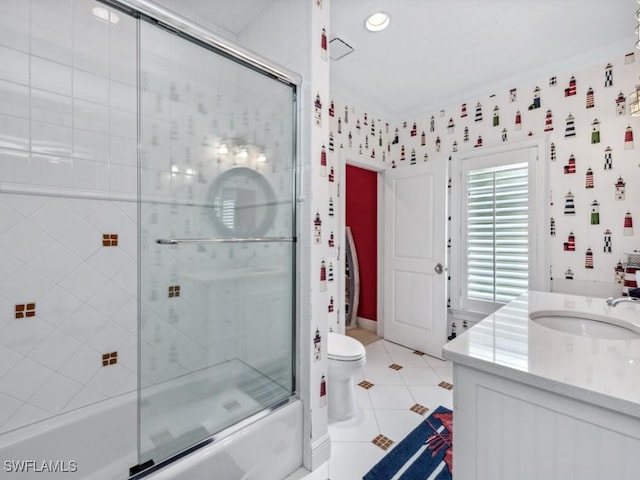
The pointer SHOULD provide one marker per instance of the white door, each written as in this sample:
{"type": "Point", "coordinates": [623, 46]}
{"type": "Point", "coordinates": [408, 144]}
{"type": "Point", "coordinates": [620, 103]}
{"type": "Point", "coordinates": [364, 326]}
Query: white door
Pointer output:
{"type": "Point", "coordinates": [415, 230]}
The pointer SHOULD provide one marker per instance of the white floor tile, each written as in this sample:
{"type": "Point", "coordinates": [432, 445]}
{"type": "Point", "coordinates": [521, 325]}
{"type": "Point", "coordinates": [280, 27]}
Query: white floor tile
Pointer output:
{"type": "Point", "coordinates": [351, 460]}
{"type": "Point", "coordinates": [445, 373]}
{"type": "Point", "coordinates": [391, 397]}
{"type": "Point", "coordinates": [383, 409]}
{"type": "Point", "coordinates": [420, 376]}
{"type": "Point", "coordinates": [432, 397]}
{"type": "Point", "coordinates": [363, 427]}
{"type": "Point", "coordinates": [397, 424]}
{"type": "Point", "coordinates": [382, 375]}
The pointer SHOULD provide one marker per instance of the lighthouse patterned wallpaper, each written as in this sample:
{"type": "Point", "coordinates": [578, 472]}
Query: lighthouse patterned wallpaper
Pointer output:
{"type": "Point", "coordinates": [593, 158]}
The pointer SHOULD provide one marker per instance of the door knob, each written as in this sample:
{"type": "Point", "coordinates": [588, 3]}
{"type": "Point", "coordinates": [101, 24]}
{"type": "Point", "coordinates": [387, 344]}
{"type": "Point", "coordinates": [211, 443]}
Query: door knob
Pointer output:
{"type": "Point", "coordinates": [438, 268]}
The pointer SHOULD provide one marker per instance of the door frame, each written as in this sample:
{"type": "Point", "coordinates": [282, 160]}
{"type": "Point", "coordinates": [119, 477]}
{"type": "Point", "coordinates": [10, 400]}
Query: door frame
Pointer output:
{"type": "Point", "coordinates": [348, 156]}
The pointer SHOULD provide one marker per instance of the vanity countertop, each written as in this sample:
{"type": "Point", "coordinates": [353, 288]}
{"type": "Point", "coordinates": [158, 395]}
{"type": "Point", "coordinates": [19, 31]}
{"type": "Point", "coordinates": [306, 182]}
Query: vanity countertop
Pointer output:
{"type": "Point", "coordinates": [507, 343]}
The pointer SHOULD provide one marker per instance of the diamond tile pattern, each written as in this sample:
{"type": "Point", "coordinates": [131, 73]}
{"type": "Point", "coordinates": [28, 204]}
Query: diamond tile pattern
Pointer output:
{"type": "Point", "coordinates": [68, 305]}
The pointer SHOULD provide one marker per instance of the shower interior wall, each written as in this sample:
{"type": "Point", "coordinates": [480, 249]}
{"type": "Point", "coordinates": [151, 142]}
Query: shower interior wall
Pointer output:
{"type": "Point", "coordinates": [68, 238]}
{"type": "Point", "coordinates": [68, 234]}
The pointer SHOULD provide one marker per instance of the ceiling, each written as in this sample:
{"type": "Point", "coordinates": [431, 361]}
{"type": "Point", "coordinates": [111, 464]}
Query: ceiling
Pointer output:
{"type": "Point", "coordinates": [439, 52]}
{"type": "Point", "coordinates": [436, 53]}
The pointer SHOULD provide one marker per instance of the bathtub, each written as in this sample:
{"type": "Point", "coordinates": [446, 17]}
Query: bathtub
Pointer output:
{"type": "Point", "coordinates": [99, 442]}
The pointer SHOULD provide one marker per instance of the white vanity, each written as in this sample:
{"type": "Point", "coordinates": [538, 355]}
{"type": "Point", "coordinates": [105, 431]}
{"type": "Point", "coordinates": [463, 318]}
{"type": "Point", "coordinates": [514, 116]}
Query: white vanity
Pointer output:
{"type": "Point", "coordinates": [533, 401]}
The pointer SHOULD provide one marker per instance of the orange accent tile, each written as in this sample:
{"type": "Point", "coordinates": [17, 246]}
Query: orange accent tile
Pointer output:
{"type": "Point", "coordinates": [366, 385]}
{"type": "Point", "coordinates": [25, 310]}
{"type": "Point", "coordinates": [109, 358]}
{"type": "Point", "coordinates": [419, 409]}
{"type": "Point", "coordinates": [395, 366]}
{"type": "Point", "coordinates": [446, 385]}
{"type": "Point", "coordinates": [109, 239]}
{"type": "Point", "coordinates": [383, 442]}
{"type": "Point", "coordinates": [417, 352]}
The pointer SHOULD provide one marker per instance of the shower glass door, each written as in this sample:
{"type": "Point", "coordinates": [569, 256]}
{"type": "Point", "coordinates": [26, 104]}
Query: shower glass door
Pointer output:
{"type": "Point", "coordinates": [217, 247]}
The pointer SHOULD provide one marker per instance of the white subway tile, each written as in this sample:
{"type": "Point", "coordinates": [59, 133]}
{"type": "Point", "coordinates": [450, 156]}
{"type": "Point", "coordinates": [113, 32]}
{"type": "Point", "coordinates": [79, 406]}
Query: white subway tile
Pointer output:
{"type": "Point", "coordinates": [51, 171]}
{"type": "Point", "coordinates": [90, 175]}
{"type": "Point", "coordinates": [14, 99]}
{"type": "Point", "coordinates": [52, 139]}
{"type": "Point", "coordinates": [51, 76]}
{"type": "Point", "coordinates": [91, 146]}
{"type": "Point", "coordinates": [15, 65]}
{"type": "Point", "coordinates": [123, 96]}
{"type": "Point", "coordinates": [90, 87]}
{"type": "Point", "coordinates": [19, 8]}
{"type": "Point", "coordinates": [50, 107]}
{"type": "Point", "coordinates": [90, 116]}
{"type": "Point", "coordinates": [52, 45]}
{"type": "Point", "coordinates": [124, 152]}
{"type": "Point", "coordinates": [123, 179]}
{"type": "Point", "coordinates": [89, 29]}
{"type": "Point", "coordinates": [14, 132]}
{"type": "Point", "coordinates": [54, 14]}
{"type": "Point", "coordinates": [15, 166]}
{"type": "Point", "coordinates": [123, 69]}
{"type": "Point", "coordinates": [14, 32]}
{"type": "Point", "coordinates": [123, 124]}
{"type": "Point", "coordinates": [91, 58]}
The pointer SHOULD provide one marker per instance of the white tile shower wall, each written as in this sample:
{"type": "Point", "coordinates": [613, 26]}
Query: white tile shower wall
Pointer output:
{"type": "Point", "coordinates": [67, 169]}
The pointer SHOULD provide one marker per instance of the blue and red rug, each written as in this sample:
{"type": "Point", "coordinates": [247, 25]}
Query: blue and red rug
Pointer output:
{"type": "Point", "coordinates": [425, 454]}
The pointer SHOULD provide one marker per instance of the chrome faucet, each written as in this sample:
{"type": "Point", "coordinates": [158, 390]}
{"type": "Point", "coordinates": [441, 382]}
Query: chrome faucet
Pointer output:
{"type": "Point", "coordinates": [612, 302]}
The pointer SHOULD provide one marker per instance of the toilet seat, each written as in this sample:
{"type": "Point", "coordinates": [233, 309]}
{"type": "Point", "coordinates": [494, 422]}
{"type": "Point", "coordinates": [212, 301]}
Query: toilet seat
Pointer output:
{"type": "Point", "coordinates": [344, 348]}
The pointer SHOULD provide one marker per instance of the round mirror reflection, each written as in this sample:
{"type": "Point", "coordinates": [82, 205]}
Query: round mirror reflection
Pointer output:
{"type": "Point", "coordinates": [243, 203]}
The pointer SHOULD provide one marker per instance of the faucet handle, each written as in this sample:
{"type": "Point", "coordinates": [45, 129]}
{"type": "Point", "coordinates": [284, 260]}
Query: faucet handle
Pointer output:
{"type": "Point", "coordinates": [609, 301]}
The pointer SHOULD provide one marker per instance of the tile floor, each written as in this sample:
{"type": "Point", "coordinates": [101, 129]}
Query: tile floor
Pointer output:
{"type": "Point", "coordinates": [385, 409]}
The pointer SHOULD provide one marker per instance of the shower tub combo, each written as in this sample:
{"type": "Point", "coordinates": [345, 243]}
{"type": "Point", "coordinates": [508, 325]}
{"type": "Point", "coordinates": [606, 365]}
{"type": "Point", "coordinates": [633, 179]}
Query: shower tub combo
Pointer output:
{"type": "Point", "coordinates": [216, 260]}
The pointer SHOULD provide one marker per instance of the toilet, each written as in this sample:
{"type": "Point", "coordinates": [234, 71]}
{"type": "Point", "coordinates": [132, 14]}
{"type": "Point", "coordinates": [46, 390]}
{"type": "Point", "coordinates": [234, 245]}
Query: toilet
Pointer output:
{"type": "Point", "coordinates": [345, 355]}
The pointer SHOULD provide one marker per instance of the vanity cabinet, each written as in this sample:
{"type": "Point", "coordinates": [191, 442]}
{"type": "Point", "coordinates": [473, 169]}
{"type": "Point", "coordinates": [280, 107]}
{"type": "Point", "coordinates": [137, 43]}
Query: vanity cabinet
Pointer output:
{"type": "Point", "coordinates": [535, 402]}
{"type": "Point", "coordinates": [507, 430]}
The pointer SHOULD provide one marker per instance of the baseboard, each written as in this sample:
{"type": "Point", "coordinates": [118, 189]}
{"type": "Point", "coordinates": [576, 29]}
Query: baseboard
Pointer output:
{"type": "Point", "coordinates": [367, 324]}
{"type": "Point", "coordinates": [320, 452]}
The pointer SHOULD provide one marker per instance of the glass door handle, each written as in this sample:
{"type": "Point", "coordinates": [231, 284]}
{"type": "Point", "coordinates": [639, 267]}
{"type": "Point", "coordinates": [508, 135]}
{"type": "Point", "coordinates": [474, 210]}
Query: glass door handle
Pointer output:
{"type": "Point", "coordinates": [179, 241]}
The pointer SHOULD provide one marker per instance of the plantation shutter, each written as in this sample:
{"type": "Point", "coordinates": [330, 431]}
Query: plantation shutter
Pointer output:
{"type": "Point", "coordinates": [497, 210]}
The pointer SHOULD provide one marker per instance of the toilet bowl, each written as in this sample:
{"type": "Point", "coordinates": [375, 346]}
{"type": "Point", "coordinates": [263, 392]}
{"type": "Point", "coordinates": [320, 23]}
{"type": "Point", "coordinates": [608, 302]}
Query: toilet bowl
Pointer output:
{"type": "Point", "coordinates": [345, 356]}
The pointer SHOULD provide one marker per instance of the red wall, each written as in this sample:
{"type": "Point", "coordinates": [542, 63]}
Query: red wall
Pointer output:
{"type": "Point", "coordinates": [362, 215]}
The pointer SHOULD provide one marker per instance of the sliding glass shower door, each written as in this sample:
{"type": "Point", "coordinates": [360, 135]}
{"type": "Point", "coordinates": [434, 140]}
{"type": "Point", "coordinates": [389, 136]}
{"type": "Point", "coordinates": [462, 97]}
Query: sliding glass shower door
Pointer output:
{"type": "Point", "coordinates": [217, 248]}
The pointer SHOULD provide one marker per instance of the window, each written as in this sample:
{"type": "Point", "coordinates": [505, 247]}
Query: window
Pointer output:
{"type": "Point", "coordinates": [499, 216]}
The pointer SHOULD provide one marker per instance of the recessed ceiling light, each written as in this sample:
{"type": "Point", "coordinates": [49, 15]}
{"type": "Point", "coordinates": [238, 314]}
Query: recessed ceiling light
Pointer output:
{"type": "Point", "coordinates": [377, 21]}
{"type": "Point", "coordinates": [105, 15]}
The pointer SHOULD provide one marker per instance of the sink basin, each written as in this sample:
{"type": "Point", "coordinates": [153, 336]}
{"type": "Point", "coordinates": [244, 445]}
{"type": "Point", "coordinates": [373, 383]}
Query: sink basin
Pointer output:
{"type": "Point", "coordinates": [586, 325]}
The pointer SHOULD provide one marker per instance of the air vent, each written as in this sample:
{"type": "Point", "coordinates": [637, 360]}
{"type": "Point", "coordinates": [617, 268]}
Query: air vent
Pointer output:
{"type": "Point", "coordinates": [338, 48]}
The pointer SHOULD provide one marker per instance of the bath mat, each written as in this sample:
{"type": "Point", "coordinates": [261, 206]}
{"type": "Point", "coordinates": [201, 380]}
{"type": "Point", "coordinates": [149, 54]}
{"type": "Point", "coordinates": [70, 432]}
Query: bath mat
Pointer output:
{"type": "Point", "coordinates": [365, 337]}
{"type": "Point", "coordinates": [425, 454]}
